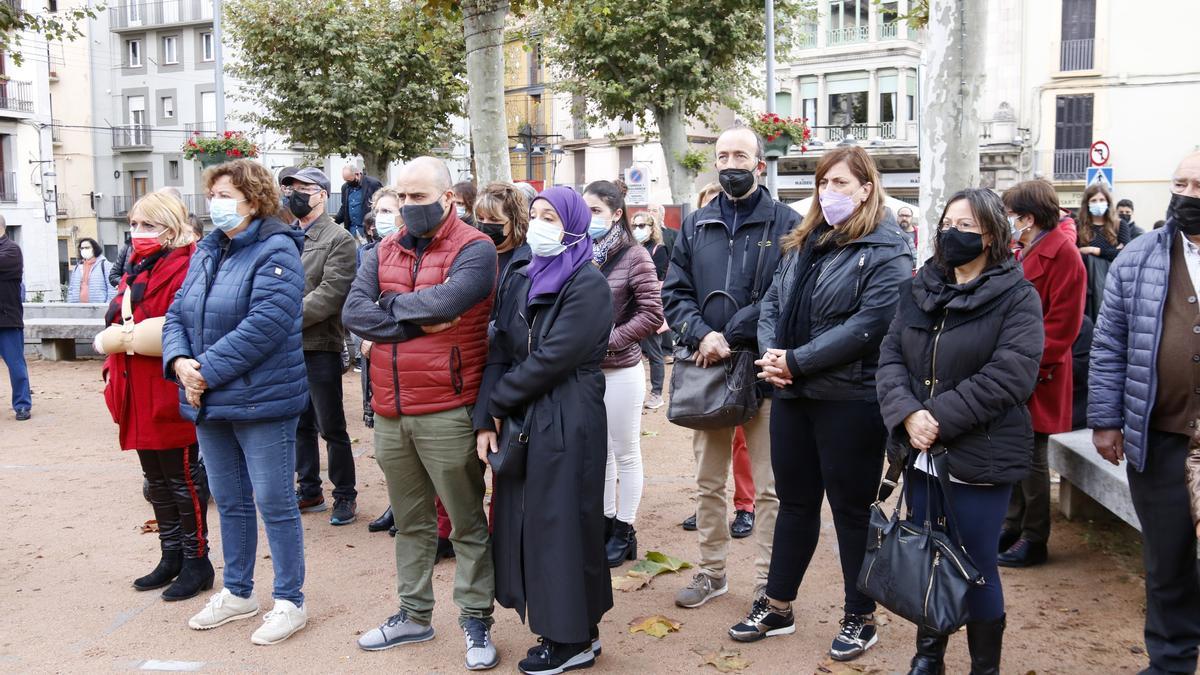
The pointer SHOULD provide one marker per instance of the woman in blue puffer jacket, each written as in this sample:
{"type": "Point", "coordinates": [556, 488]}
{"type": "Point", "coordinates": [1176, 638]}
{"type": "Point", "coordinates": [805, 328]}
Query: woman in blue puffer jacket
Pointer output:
{"type": "Point", "coordinates": [232, 342]}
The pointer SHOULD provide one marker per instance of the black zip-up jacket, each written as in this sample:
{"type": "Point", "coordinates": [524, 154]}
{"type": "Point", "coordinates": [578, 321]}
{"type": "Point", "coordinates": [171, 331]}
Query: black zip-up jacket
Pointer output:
{"type": "Point", "coordinates": [712, 256]}
{"type": "Point", "coordinates": [12, 267]}
{"type": "Point", "coordinates": [853, 303]}
{"type": "Point", "coordinates": [970, 356]}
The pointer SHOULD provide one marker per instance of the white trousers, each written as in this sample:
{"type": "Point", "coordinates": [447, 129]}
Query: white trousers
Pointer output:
{"type": "Point", "coordinates": [625, 388]}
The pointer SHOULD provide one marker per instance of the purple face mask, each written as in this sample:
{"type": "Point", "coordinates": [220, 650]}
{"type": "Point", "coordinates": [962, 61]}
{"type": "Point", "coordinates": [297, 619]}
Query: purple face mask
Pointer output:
{"type": "Point", "coordinates": [836, 207]}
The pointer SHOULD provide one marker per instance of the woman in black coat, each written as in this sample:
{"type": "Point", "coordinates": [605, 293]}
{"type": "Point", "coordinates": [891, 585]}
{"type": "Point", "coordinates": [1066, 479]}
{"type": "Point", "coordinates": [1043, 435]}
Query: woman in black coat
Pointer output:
{"type": "Point", "coordinates": [955, 371]}
{"type": "Point", "coordinates": [552, 322]}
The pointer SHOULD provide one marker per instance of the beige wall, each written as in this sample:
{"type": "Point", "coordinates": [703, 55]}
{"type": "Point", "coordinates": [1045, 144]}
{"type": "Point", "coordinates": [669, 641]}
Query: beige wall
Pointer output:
{"type": "Point", "coordinates": [71, 100]}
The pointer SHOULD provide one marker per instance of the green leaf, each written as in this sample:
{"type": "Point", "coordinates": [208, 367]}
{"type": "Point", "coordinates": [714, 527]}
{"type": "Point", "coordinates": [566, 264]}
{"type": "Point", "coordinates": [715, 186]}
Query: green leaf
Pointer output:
{"type": "Point", "coordinates": [657, 563]}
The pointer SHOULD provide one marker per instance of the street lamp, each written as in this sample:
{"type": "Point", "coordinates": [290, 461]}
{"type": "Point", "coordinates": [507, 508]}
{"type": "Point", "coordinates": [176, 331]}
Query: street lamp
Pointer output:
{"type": "Point", "coordinates": [533, 146]}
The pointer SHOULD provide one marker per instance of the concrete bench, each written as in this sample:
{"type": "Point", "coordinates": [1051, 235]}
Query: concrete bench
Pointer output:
{"type": "Point", "coordinates": [57, 327]}
{"type": "Point", "coordinates": [1089, 486]}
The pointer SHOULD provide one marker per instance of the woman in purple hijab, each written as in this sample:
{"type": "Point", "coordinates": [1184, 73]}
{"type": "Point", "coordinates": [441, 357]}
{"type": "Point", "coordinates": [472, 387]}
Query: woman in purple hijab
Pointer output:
{"type": "Point", "coordinates": [540, 421]}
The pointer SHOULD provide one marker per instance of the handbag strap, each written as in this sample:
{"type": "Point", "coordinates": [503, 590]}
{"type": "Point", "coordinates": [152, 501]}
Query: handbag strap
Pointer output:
{"type": "Point", "coordinates": [127, 305]}
{"type": "Point", "coordinates": [941, 466]}
{"type": "Point", "coordinates": [763, 244]}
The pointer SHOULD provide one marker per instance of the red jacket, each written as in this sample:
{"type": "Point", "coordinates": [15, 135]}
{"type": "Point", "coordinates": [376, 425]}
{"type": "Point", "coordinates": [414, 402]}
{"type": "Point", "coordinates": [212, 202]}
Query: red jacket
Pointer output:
{"type": "Point", "coordinates": [435, 372]}
{"type": "Point", "coordinates": [144, 405]}
{"type": "Point", "coordinates": [1055, 269]}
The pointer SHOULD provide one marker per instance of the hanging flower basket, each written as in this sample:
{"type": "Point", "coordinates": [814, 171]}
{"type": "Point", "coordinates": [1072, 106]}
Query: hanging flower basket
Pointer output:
{"type": "Point", "coordinates": [780, 133]}
{"type": "Point", "coordinates": [213, 150]}
{"type": "Point", "coordinates": [779, 147]}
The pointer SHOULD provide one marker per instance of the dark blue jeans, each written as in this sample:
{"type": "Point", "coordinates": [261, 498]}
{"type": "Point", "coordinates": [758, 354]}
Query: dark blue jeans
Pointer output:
{"type": "Point", "coordinates": [978, 514]}
{"type": "Point", "coordinates": [12, 350]}
{"type": "Point", "coordinates": [252, 463]}
{"type": "Point", "coordinates": [325, 416]}
{"type": "Point", "coordinates": [653, 349]}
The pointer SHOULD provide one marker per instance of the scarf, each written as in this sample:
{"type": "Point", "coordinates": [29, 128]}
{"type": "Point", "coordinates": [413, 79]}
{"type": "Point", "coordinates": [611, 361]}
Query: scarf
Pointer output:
{"type": "Point", "coordinates": [137, 278]}
{"type": "Point", "coordinates": [795, 320]}
{"type": "Point", "coordinates": [609, 243]}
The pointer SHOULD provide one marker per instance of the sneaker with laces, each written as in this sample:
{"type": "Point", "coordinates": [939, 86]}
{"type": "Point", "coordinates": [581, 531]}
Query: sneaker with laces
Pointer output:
{"type": "Point", "coordinates": [653, 402]}
{"type": "Point", "coordinates": [550, 658]}
{"type": "Point", "coordinates": [763, 621]}
{"type": "Point", "coordinates": [481, 653]}
{"type": "Point", "coordinates": [397, 630]}
{"type": "Point", "coordinates": [222, 608]}
{"type": "Point", "coordinates": [311, 504]}
{"type": "Point", "coordinates": [594, 633]}
{"type": "Point", "coordinates": [858, 634]}
{"type": "Point", "coordinates": [702, 589]}
{"type": "Point", "coordinates": [280, 623]}
{"type": "Point", "coordinates": [344, 512]}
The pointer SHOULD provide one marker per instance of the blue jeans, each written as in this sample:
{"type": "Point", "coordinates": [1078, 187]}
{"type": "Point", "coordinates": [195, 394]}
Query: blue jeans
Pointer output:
{"type": "Point", "coordinates": [252, 463]}
{"type": "Point", "coordinates": [12, 351]}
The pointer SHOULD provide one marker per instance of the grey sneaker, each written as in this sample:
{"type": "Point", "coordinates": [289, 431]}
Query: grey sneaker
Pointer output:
{"type": "Point", "coordinates": [702, 589]}
{"type": "Point", "coordinates": [397, 630]}
{"type": "Point", "coordinates": [481, 653]}
{"type": "Point", "coordinates": [653, 402]}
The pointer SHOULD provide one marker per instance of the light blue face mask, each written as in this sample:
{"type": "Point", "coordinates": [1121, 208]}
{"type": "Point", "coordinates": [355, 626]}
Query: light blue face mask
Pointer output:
{"type": "Point", "coordinates": [1098, 209]}
{"type": "Point", "coordinates": [599, 227]}
{"type": "Point", "coordinates": [385, 224]}
{"type": "Point", "coordinates": [223, 211]}
{"type": "Point", "coordinates": [544, 239]}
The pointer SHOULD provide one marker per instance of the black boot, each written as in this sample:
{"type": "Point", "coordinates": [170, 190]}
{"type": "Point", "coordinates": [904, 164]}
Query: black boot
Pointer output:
{"type": "Point", "coordinates": [168, 568]}
{"type": "Point", "coordinates": [608, 528]}
{"type": "Point", "coordinates": [383, 522]}
{"type": "Point", "coordinates": [984, 639]}
{"type": "Point", "coordinates": [622, 545]}
{"type": "Point", "coordinates": [197, 575]}
{"type": "Point", "coordinates": [931, 653]}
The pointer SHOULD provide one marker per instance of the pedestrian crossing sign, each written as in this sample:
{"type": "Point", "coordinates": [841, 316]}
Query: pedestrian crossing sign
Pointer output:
{"type": "Point", "coordinates": [1100, 174]}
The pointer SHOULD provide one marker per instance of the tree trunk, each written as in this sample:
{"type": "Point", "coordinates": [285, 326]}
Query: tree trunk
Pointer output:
{"type": "Point", "coordinates": [483, 29]}
{"type": "Point", "coordinates": [950, 107]}
{"type": "Point", "coordinates": [672, 135]}
{"type": "Point", "coordinates": [375, 165]}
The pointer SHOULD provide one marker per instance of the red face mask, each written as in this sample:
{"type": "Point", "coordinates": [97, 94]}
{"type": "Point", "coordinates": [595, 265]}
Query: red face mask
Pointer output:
{"type": "Point", "coordinates": [144, 245]}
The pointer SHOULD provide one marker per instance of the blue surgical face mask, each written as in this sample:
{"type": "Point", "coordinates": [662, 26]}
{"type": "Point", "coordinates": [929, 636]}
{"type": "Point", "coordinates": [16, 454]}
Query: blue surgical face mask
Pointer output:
{"type": "Point", "coordinates": [544, 239]}
{"type": "Point", "coordinates": [599, 227]}
{"type": "Point", "coordinates": [223, 211]}
{"type": "Point", "coordinates": [385, 224]}
{"type": "Point", "coordinates": [1098, 209]}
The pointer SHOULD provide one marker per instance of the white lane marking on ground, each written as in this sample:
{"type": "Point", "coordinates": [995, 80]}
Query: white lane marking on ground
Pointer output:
{"type": "Point", "coordinates": [175, 666]}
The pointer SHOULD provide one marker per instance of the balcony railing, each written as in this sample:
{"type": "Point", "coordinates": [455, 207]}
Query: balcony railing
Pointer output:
{"type": "Point", "coordinates": [807, 39]}
{"type": "Point", "coordinates": [135, 137]}
{"type": "Point", "coordinates": [202, 127]}
{"type": "Point", "coordinates": [197, 205]}
{"type": "Point", "coordinates": [889, 30]}
{"type": "Point", "coordinates": [1071, 164]}
{"type": "Point", "coordinates": [858, 131]}
{"type": "Point", "coordinates": [122, 204]}
{"type": "Point", "coordinates": [8, 186]}
{"type": "Point", "coordinates": [848, 35]}
{"type": "Point", "coordinates": [16, 96]}
{"type": "Point", "coordinates": [887, 130]}
{"type": "Point", "coordinates": [1076, 54]}
{"type": "Point", "coordinates": [148, 14]}
{"type": "Point", "coordinates": [56, 131]}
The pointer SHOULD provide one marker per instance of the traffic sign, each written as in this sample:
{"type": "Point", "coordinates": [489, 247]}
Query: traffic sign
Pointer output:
{"type": "Point", "coordinates": [638, 183]}
{"type": "Point", "coordinates": [1100, 174]}
{"type": "Point", "coordinates": [1100, 153]}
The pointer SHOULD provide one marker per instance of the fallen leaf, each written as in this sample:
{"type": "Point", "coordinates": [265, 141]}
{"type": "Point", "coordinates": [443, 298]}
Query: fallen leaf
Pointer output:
{"type": "Point", "coordinates": [724, 660]}
{"type": "Point", "coordinates": [657, 563]}
{"type": "Point", "coordinates": [630, 581]}
{"type": "Point", "coordinates": [149, 526]}
{"type": "Point", "coordinates": [655, 626]}
{"type": "Point", "coordinates": [650, 434]}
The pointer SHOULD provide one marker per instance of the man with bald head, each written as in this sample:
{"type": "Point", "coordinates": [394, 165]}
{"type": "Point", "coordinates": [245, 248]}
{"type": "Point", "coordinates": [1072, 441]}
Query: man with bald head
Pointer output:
{"type": "Point", "coordinates": [1144, 405]}
{"type": "Point", "coordinates": [423, 297]}
{"type": "Point", "coordinates": [722, 263]}
{"type": "Point", "coordinates": [12, 322]}
{"type": "Point", "coordinates": [357, 191]}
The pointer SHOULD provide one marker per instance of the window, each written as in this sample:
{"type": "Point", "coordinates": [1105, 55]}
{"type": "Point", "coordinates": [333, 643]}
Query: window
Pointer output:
{"type": "Point", "coordinates": [808, 110]}
{"type": "Point", "coordinates": [847, 21]}
{"type": "Point", "coordinates": [848, 101]}
{"type": "Point", "coordinates": [170, 50]}
{"type": "Point", "coordinates": [173, 169]}
{"type": "Point", "coordinates": [207, 47]}
{"type": "Point", "coordinates": [208, 107]}
{"type": "Point", "coordinates": [52, 6]}
{"type": "Point", "coordinates": [1072, 136]}
{"type": "Point", "coordinates": [133, 53]}
{"type": "Point", "coordinates": [168, 107]}
{"type": "Point", "coordinates": [1078, 34]}
{"type": "Point", "coordinates": [137, 110]}
{"type": "Point", "coordinates": [139, 185]}
{"type": "Point", "coordinates": [133, 14]}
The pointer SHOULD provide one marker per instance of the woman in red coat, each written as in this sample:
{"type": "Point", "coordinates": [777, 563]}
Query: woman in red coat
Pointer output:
{"type": "Point", "coordinates": [1052, 263]}
{"type": "Point", "coordinates": [145, 406]}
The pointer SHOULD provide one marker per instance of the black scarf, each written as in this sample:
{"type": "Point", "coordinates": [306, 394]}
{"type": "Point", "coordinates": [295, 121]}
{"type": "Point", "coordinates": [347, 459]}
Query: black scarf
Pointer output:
{"type": "Point", "coordinates": [795, 327]}
{"type": "Point", "coordinates": [134, 286]}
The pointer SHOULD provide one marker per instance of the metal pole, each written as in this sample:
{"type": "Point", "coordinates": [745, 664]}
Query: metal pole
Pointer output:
{"type": "Point", "coordinates": [772, 164]}
{"type": "Point", "coordinates": [219, 66]}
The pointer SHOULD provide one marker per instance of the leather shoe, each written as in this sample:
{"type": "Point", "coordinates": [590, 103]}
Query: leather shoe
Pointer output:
{"type": "Point", "coordinates": [742, 525]}
{"type": "Point", "coordinates": [689, 523]}
{"type": "Point", "coordinates": [23, 414]}
{"type": "Point", "coordinates": [1008, 538]}
{"type": "Point", "coordinates": [383, 522]}
{"type": "Point", "coordinates": [1024, 553]}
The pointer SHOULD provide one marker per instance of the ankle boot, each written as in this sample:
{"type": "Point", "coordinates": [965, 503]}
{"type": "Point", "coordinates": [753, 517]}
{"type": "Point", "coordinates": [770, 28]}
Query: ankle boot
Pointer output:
{"type": "Point", "coordinates": [167, 569]}
{"type": "Point", "coordinates": [608, 528]}
{"type": "Point", "coordinates": [984, 639]}
{"type": "Point", "coordinates": [197, 575]}
{"type": "Point", "coordinates": [622, 545]}
{"type": "Point", "coordinates": [931, 652]}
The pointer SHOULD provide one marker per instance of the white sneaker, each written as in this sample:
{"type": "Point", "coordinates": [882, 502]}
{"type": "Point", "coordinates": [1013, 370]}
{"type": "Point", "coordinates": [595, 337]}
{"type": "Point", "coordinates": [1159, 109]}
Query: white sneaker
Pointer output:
{"type": "Point", "coordinates": [222, 608]}
{"type": "Point", "coordinates": [279, 623]}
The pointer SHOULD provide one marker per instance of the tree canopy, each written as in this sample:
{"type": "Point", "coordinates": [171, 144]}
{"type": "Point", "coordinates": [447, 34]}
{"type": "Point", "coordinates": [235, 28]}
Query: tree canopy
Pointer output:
{"type": "Point", "coordinates": [62, 25]}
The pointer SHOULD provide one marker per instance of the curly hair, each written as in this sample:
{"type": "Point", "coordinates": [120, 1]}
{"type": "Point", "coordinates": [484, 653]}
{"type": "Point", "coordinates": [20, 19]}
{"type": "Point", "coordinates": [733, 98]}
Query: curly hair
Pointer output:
{"type": "Point", "coordinates": [251, 179]}
{"type": "Point", "coordinates": [504, 202]}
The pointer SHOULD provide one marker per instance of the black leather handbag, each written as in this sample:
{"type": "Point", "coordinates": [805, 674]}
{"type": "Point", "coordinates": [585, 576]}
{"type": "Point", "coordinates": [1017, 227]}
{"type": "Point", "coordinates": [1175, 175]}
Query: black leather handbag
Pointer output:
{"type": "Point", "coordinates": [916, 570]}
{"type": "Point", "coordinates": [512, 448]}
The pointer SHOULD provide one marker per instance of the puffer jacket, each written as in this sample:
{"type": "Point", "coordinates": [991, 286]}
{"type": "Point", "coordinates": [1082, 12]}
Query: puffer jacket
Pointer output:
{"type": "Point", "coordinates": [637, 304]}
{"type": "Point", "coordinates": [853, 302]}
{"type": "Point", "coordinates": [238, 314]}
{"type": "Point", "coordinates": [1123, 372]}
{"type": "Point", "coordinates": [970, 356]}
{"type": "Point", "coordinates": [99, 290]}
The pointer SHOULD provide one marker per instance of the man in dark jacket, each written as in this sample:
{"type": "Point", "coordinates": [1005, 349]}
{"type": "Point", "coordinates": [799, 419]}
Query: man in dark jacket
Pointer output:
{"type": "Point", "coordinates": [12, 322]}
{"type": "Point", "coordinates": [722, 264]}
{"type": "Point", "coordinates": [357, 190]}
{"type": "Point", "coordinates": [329, 260]}
{"type": "Point", "coordinates": [1125, 213]}
{"type": "Point", "coordinates": [1143, 403]}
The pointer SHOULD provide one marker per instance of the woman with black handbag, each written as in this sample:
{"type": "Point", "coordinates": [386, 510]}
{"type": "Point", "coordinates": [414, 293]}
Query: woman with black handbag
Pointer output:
{"type": "Point", "coordinates": [820, 325]}
{"type": "Point", "coordinates": [956, 369]}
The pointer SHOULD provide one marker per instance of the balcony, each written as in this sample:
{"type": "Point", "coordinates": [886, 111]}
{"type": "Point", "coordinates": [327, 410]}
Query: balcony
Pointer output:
{"type": "Point", "coordinates": [204, 128]}
{"type": "Point", "coordinates": [134, 138]}
{"type": "Point", "coordinates": [8, 186]}
{"type": "Point", "coordinates": [56, 131]}
{"type": "Point", "coordinates": [197, 205]}
{"type": "Point", "coordinates": [122, 204]}
{"type": "Point", "coordinates": [889, 30]}
{"type": "Point", "coordinates": [16, 96]}
{"type": "Point", "coordinates": [848, 35]}
{"type": "Point", "coordinates": [142, 15]}
{"type": "Point", "coordinates": [1071, 164]}
{"type": "Point", "coordinates": [887, 131]}
{"type": "Point", "coordinates": [806, 39]}
{"type": "Point", "coordinates": [1076, 55]}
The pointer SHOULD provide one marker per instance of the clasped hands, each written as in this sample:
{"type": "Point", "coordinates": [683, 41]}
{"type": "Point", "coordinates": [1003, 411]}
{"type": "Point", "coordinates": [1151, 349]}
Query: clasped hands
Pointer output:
{"type": "Point", "coordinates": [187, 371]}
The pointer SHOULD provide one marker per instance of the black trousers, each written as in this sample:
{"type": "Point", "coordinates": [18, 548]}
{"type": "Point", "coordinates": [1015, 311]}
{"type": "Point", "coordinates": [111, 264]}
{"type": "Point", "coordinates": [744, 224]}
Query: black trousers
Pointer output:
{"type": "Point", "coordinates": [819, 448]}
{"type": "Point", "coordinates": [1029, 506]}
{"type": "Point", "coordinates": [1160, 498]}
{"type": "Point", "coordinates": [326, 416]}
{"type": "Point", "coordinates": [179, 497]}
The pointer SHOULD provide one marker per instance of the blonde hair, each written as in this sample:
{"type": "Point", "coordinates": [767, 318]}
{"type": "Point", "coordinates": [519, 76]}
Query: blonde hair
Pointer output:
{"type": "Point", "coordinates": [167, 212]}
{"type": "Point", "coordinates": [706, 194]}
{"type": "Point", "coordinates": [385, 192]}
{"type": "Point", "coordinates": [865, 218]}
{"type": "Point", "coordinates": [655, 224]}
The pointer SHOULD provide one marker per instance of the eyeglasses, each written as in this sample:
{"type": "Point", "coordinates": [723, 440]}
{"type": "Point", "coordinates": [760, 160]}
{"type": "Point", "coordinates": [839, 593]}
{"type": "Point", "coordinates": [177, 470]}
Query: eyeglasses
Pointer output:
{"type": "Point", "coordinates": [961, 227]}
{"type": "Point", "coordinates": [288, 189]}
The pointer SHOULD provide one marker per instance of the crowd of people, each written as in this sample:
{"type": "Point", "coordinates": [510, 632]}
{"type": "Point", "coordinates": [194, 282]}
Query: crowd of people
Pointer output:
{"type": "Point", "coordinates": [498, 327]}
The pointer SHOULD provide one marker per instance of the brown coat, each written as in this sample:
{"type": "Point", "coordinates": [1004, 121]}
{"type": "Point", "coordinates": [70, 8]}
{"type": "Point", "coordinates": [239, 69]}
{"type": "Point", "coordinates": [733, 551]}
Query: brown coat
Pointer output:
{"type": "Point", "coordinates": [637, 304]}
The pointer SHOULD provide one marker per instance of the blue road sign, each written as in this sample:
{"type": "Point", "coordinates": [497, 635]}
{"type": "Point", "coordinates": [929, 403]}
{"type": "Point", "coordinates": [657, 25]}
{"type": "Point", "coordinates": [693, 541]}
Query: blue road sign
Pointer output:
{"type": "Point", "coordinates": [1100, 174]}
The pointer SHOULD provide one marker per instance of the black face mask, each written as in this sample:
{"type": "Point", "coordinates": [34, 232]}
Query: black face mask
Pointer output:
{"type": "Point", "coordinates": [493, 230]}
{"type": "Point", "coordinates": [298, 204]}
{"type": "Point", "coordinates": [737, 183]}
{"type": "Point", "coordinates": [422, 219]}
{"type": "Point", "coordinates": [1186, 212]}
{"type": "Point", "coordinates": [959, 248]}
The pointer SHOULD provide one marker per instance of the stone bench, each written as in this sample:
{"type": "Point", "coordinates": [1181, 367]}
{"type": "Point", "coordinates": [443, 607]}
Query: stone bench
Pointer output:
{"type": "Point", "coordinates": [57, 327]}
{"type": "Point", "coordinates": [1089, 486]}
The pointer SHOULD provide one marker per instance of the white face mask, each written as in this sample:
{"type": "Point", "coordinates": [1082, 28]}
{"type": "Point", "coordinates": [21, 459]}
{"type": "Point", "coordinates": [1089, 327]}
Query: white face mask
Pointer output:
{"type": "Point", "coordinates": [641, 233]}
{"type": "Point", "coordinates": [544, 239]}
{"type": "Point", "coordinates": [86, 253]}
{"type": "Point", "coordinates": [385, 224]}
